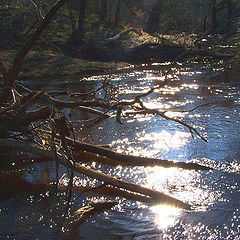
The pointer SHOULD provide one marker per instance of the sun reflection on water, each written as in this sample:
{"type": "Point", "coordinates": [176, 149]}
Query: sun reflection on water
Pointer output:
{"type": "Point", "coordinates": [181, 184]}
{"type": "Point", "coordinates": [165, 216]}
{"type": "Point", "coordinates": [165, 140]}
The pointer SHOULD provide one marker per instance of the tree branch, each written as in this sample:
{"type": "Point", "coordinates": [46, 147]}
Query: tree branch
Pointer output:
{"type": "Point", "coordinates": [14, 71]}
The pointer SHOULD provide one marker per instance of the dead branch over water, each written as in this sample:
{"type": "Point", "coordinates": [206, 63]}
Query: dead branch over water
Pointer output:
{"type": "Point", "coordinates": [19, 117]}
{"type": "Point", "coordinates": [32, 121]}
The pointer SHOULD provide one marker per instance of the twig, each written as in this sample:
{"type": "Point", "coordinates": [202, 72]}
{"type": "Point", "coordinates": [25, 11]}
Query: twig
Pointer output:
{"type": "Point", "coordinates": [29, 102]}
{"type": "Point", "coordinates": [27, 99]}
{"type": "Point", "coordinates": [163, 114]}
{"type": "Point", "coordinates": [188, 111]}
{"type": "Point", "coordinates": [22, 86]}
{"type": "Point", "coordinates": [90, 93]}
{"type": "Point", "coordinates": [191, 129]}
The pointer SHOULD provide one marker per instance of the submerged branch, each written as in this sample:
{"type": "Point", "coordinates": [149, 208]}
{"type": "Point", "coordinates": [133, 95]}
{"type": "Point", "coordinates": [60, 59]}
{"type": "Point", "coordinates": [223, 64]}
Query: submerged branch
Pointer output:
{"type": "Point", "coordinates": [141, 109]}
{"type": "Point", "coordinates": [84, 213]}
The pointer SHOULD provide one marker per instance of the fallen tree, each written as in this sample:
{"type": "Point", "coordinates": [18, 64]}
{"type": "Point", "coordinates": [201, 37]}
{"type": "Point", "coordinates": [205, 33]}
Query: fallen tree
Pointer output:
{"type": "Point", "coordinates": [14, 71]}
{"type": "Point", "coordinates": [154, 49]}
{"type": "Point", "coordinates": [159, 53]}
{"type": "Point", "coordinates": [157, 196]}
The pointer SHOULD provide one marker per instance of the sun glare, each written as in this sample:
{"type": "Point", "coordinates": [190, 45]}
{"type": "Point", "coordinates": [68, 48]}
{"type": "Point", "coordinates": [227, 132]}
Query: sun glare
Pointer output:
{"type": "Point", "coordinates": [165, 140]}
{"type": "Point", "coordinates": [165, 216]}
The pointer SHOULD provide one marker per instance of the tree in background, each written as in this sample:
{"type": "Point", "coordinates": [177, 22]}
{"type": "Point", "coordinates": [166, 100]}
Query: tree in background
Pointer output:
{"type": "Point", "coordinates": [217, 7]}
{"type": "Point", "coordinates": [20, 17]}
{"type": "Point", "coordinates": [117, 13]}
{"type": "Point", "coordinates": [154, 18]}
{"type": "Point", "coordinates": [103, 14]}
{"type": "Point", "coordinates": [81, 19]}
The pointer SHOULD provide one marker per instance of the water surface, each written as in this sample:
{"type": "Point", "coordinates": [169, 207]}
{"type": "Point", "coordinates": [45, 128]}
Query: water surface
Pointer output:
{"type": "Point", "coordinates": [214, 194]}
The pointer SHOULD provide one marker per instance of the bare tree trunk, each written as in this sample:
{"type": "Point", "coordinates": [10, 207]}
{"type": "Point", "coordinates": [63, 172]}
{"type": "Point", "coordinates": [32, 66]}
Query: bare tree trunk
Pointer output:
{"type": "Point", "coordinates": [204, 24]}
{"type": "Point", "coordinates": [229, 16]}
{"type": "Point", "coordinates": [103, 10]}
{"type": "Point", "coordinates": [81, 19]}
{"type": "Point", "coordinates": [214, 17]}
{"type": "Point", "coordinates": [225, 4]}
{"type": "Point", "coordinates": [153, 21]}
{"type": "Point", "coordinates": [71, 16]}
{"type": "Point", "coordinates": [117, 14]}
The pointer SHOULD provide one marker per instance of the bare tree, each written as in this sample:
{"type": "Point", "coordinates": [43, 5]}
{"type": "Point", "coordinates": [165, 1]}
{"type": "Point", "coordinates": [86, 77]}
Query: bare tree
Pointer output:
{"type": "Point", "coordinates": [103, 10]}
{"type": "Point", "coordinates": [218, 6]}
{"type": "Point", "coordinates": [153, 21]}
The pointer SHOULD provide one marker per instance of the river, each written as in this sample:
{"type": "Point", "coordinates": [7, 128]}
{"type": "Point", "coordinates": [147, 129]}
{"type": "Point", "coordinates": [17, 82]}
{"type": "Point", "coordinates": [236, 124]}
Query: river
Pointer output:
{"type": "Point", "coordinates": [214, 194]}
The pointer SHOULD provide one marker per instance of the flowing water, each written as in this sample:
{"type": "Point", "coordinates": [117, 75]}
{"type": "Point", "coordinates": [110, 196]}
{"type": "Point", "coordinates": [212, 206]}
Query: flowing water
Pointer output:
{"type": "Point", "coordinates": [215, 195]}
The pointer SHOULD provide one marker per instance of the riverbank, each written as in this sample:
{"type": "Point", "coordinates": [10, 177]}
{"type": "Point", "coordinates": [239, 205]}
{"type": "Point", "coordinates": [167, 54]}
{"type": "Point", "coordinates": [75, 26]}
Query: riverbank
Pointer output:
{"type": "Point", "coordinates": [45, 64]}
{"type": "Point", "coordinates": [74, 61]}
{"type": "Point", "coordinates": [112, 55]}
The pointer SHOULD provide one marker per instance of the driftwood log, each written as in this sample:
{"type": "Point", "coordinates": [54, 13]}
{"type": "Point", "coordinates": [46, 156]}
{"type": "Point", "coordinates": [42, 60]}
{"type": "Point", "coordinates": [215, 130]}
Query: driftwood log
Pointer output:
{"type": "Point", "coordinates": [87, 152]}
{"type": "Point", "coordinates": [156, 52]}
{"type": "Point", "coordinates": [128, 159]}
{"type": "Point", "coordinates": [157, 196]}
{"type": "Point", "coordinates": [12, 183]}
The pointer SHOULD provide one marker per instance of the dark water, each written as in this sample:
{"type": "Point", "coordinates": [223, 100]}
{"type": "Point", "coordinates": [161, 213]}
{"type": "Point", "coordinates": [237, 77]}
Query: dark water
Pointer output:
{"type": "Point", "coordinates": [214, 194]}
